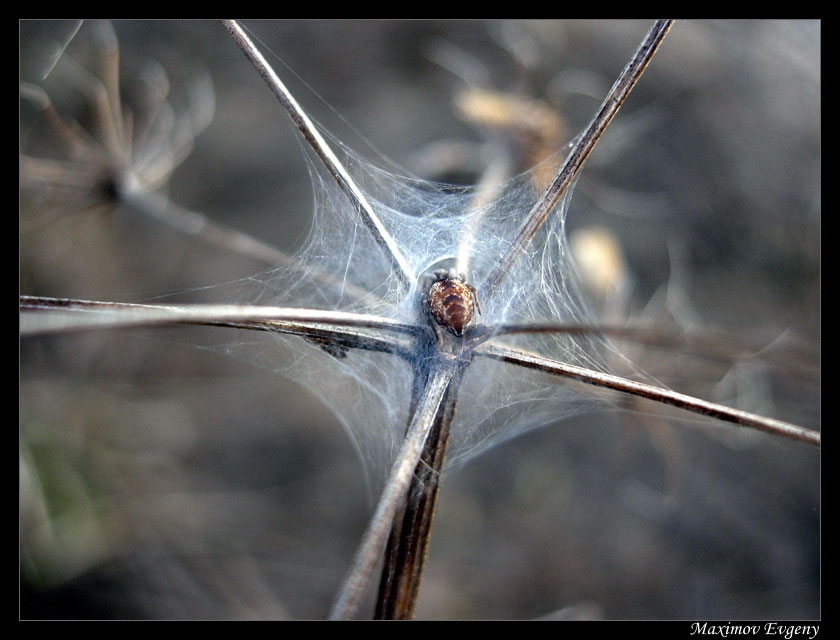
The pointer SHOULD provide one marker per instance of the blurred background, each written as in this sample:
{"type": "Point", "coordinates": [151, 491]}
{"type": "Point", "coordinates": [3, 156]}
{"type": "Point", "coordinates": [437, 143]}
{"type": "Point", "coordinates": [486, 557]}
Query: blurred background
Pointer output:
{"type": "Point", "coordinates": [164, 475]}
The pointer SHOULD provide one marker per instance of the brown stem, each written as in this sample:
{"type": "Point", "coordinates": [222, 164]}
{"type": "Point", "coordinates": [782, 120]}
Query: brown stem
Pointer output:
{"type": "Point", "coordinates": [580, 152]}
{"type": "Point", "coordinates": [405, 554]}
{"type": "Point", "coordinates": [199, 225]}
{"type": "Point", "coordinates": [325, 154]}
{"type": "Point", "coordinates": [642, 390]}
{"type": "Point", "coordinates": [436, 389]}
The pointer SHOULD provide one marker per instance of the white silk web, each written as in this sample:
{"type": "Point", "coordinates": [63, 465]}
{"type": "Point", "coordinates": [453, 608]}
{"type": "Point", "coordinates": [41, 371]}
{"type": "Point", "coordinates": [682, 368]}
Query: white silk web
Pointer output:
{"type": "Point", "coordinates": [341, 267]}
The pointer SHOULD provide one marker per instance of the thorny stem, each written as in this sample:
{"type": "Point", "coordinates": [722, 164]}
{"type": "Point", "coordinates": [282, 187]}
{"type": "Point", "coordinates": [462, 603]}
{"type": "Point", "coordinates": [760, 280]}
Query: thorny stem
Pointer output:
{"type": "Point", "coordinates": [326, 155]}
{"type": "Point", "coordinates": [583, 147]}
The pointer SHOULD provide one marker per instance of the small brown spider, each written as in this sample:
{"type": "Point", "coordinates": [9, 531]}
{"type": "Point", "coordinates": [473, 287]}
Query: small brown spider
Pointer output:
{"type": "Point", "coordinates": [450, 300]}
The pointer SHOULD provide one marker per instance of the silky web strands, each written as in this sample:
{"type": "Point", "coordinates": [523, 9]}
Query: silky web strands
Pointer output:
{"type": "Point", "coordinates": [341, 267]}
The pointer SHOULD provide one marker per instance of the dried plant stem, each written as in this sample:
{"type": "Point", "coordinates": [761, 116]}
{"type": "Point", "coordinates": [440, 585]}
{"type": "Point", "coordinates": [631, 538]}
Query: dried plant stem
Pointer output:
{"type": "Point", "coordinates": [57, 315]}
{"type": "Point", "coordinates": [104, 96]}
{"type": "Point", "coordinates": [111, 81]}
{"type": "Point", "coordinates": [59, 52]}
{"type": "Point", "coordinates": [325, 154]}
{"type": "Point", "coordinates": [405, 554]}
{"type": "Point", "coordinates": [642, 390]}
{"type": "Point", "coordinates": [580, 152]}
{"type": "Point", "coordinates": [401, 524]}
{"type": "Point", "coordinates": [487, 190]}
{"type": "Point", "coordinates": [199, 225]}
{"type": "Point", "coordinates": [781, 352]}
{"type": "Point", "coordinates": [443, 371]}
{"type": "Point", "coordinates": [61, 174]}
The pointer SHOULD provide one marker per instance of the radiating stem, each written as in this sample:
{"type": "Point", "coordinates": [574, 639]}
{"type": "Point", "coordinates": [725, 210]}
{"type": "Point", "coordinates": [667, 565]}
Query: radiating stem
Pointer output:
{"type": "Point", "coordinates": [779, 351]}
{"type": "Point", "coordinates": [101, 96]}
{"type": "Point", "coordinates": [405, 554]}
{"type": "Point", "coordinates": [57, 315]}
{"type": "Point", "coordinates": [580, 152]}
{"type": "Point", "coordinates": [642, 390]}
{"type": "Point", "coordinates": [199, 225]}
{"type": "Point", "coordinates": [80, 146]}
{"type": "Point", "coordinates": [325, 154]}
{"type": "Point", "coordinates": [442, 372]}
{"type": "Point", "coordinates": [486, 191]}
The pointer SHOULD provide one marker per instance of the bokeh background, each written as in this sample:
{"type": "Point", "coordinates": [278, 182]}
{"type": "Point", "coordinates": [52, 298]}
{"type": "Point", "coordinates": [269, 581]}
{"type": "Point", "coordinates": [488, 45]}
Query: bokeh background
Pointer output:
{"type": "Point", "coordinates": [165, 475]}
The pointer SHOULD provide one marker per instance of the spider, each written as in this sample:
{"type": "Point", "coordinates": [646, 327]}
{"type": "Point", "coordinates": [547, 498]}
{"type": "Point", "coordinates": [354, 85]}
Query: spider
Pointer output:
{"type": "Point", "coordinates": [529, 474]}
{"type": "Point", "coordinates": [450, 300]}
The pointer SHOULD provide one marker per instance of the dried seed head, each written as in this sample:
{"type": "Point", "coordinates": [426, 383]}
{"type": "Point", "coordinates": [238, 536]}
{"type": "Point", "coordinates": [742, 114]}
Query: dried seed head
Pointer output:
{"type": "Point", "coordinates": [452, 303]}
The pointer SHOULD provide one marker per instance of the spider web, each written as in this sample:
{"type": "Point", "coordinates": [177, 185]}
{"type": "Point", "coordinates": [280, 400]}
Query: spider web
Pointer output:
{"type": "Point", "coordinates": [340, 267]}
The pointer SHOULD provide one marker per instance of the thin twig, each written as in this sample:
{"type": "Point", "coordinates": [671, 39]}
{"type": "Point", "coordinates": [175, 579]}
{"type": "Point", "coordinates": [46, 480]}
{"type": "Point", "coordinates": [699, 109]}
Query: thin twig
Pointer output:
{"type": "Point", "coordinates": [60, 50]}
{"type": "Point", "coordinates": [325, 154]}
{"type": "Point", "coordinates": [197, 224]}
{"type": "Point", "coordinates": [59, 174]}
{"type": "Point", "coordinates": [57, 315]}
{"type": "Point", "coordinates": [777, 351]}
{"type": "Point", "coordinates": [583, 147]}
{"type": "Point", "coordinates": [642, 390]}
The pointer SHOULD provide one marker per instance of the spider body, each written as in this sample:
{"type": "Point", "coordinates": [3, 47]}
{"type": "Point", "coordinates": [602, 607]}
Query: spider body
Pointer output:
{"type": "Point", "coordinates": [451, 301]}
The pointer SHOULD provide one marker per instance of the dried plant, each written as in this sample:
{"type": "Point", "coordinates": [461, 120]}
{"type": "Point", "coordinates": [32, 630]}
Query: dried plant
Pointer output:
{"type": "Point", "coordinates": [375, 235]}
